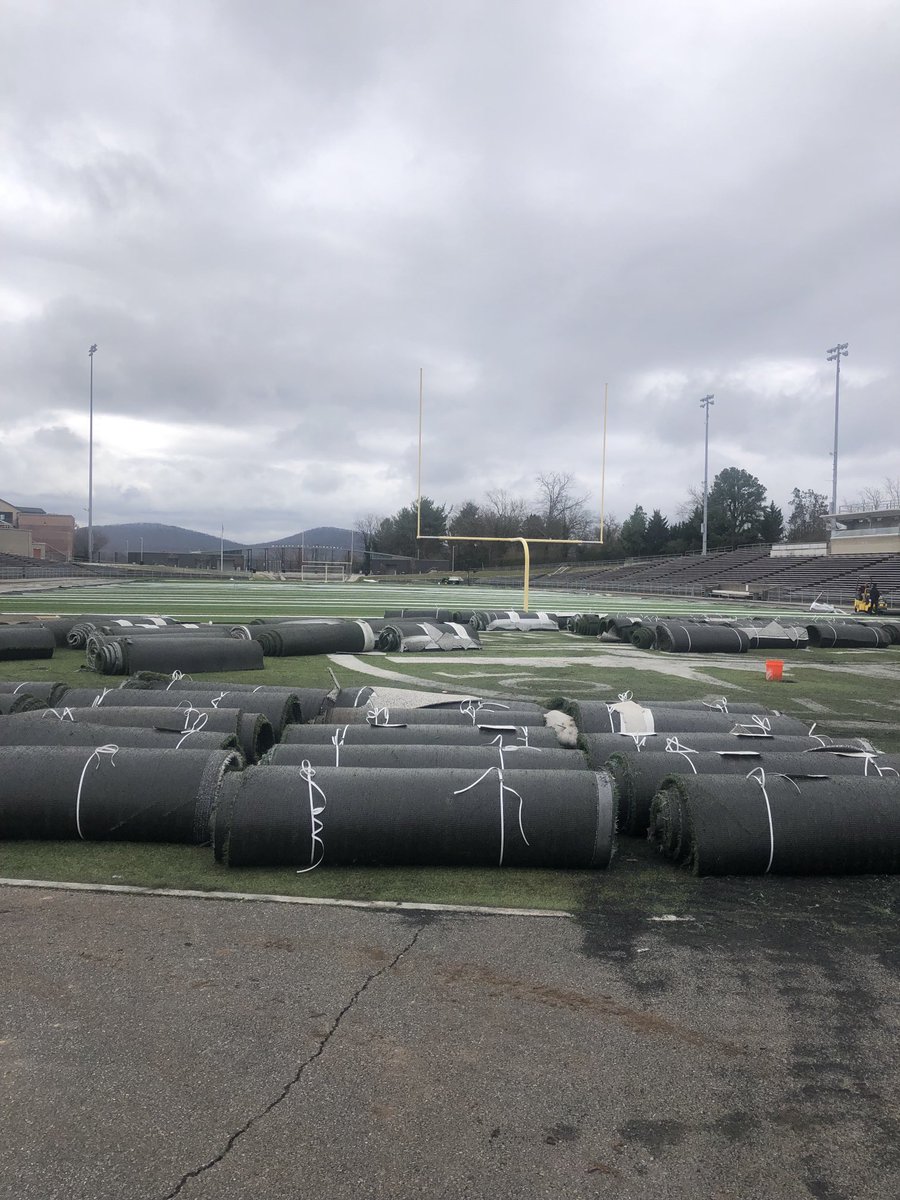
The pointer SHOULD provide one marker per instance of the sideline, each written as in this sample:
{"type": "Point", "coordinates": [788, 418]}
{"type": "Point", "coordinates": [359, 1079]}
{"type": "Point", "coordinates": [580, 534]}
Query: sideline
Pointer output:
{"type": "Point", "coordinates": [270, 898]}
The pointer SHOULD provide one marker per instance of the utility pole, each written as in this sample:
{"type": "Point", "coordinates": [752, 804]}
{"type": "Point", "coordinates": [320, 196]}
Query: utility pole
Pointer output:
{"type": "Point", "coordinates": [706, 402]}
{"type": "Point", "coordinates": [91, 353]}
{"type": "Point", "coordinates": [834, 355]}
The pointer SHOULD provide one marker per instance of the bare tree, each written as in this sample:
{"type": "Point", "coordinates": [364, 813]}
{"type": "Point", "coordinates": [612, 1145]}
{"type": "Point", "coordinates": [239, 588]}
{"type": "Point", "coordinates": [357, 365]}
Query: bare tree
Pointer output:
{"type": "Point", "coordinates": [892, 492]}
{"type": "Point", "coordinates": [565, 514]}
{"type": "Point", "coordinates": [506, 514]}
{"type": "Point", "coordinates": [367, 527]}
{"type": "Point", "coordinates": [872, 497]}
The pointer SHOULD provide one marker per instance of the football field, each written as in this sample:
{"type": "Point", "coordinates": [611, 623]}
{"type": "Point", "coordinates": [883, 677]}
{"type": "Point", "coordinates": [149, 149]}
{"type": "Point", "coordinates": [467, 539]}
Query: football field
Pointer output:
{"type": "Point", "coordinates": [242, 600]}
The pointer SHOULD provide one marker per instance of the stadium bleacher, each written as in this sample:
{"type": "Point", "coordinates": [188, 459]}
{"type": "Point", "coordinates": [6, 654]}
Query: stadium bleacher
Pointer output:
{"type": "Point", "coordinates": [750, 569]}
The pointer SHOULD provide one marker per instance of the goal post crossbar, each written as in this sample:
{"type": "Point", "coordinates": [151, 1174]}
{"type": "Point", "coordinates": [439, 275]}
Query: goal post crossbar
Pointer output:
{"type": "Point", "coordinates": [525, 543]}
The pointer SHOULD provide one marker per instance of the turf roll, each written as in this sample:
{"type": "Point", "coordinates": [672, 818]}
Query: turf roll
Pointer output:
{"type": "Point", "coordinates": [416, 757]}
{"type": "Point", "coordinates": [311, 700]}
{"type": "Point", "coordinates": [599, 746]}
{"type": "Point", "coordinates": [433, 614]}
{"type": "Point", "coordinates": [124, 656]}
{"type": "Point", "coordinates": [687, 638]}
{"type": "Point", "coordinates": [638, 776]}
{"type": "Point", "coordinates": [253, 731]}
{"type": "Point", "coordinates": [110, 793]}
{"type": "Point", "coordinates": [848, 635]}
{"type": "Point", "coordinates": [28, 640]}
{"type": "Point", "coordinates": [13, 702]}
{"type": "Point", "coordinates": [768, 823]}
{"type": "Point", "coordinates": [41, 689]}
{"type": "Point", "coordinates": [493, 718]}
{"type": "Point", "coordinates": [302, 817]}
{"type": "Point", "coordinates": [289, 638]}
{"type": "Point", "coordinates": [279, 708]}
{"type": "Point", "coordinates": [418, 735]}
{"type": "Point", "coordinates": [62, 732]}
{"type": "Point", "coordinates": [643, 636]}
{"type": "Point", "coordinates": [409, 637]}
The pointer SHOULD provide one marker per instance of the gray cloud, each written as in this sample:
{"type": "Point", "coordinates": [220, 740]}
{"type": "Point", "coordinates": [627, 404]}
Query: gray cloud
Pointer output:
{"type": "Point", "coordinates": [270, 219]}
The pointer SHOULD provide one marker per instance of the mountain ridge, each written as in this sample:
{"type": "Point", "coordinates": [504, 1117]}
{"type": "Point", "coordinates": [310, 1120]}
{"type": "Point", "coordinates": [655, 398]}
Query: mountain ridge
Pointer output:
{"type": "Point", "coordinates": [158, 537]}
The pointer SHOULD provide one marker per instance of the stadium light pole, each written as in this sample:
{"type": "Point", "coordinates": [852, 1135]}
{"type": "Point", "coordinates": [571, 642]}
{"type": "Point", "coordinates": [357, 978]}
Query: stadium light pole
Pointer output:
{"type": "Point", "coordinates": [834, 355]}
{"type": "Point", "coordinates": [705, 403]}
{"type": "Point", "coordinates": [91, 353]}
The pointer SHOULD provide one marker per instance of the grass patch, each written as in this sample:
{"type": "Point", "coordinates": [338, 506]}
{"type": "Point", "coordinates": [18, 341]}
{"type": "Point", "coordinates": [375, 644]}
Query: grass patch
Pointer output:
{"type": "Point", "coordinates": [167, 866]}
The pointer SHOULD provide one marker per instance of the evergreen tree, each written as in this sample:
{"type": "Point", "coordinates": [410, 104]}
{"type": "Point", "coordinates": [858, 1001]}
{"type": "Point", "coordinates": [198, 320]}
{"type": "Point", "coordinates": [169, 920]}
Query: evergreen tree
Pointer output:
{"type": "Point", "coordinates": [735, 505]}
{"type": "Point", "coordinates": [771, 527]}
{"type": "Point", "coordinates": [633, 533]}
{"type": "Point", "coordinates": [657, 533]}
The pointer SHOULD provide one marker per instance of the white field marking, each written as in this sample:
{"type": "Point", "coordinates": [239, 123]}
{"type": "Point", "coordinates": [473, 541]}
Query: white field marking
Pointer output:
{"type": "Point", "coordinates": [273, 898]}
{"type": "Point", "coordinates": [351, 663]}
{"type": "Point", "coordinates": [668, 665]}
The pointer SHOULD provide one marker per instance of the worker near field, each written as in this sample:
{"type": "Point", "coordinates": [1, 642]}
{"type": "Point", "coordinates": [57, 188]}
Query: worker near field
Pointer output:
{"type": "Point", "coordinates": [874, 597]}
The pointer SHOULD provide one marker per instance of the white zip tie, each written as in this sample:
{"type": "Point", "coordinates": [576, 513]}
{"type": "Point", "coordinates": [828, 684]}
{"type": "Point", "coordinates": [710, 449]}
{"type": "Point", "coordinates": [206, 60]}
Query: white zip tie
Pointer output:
{"type": "Point", "coordinates": [109, 750]}
{"type": "Point", "coordinates": [199, 721]}
{"type": "Point", "coordinates": [337, 741]}
{"type": "Point", "coordinates": [757, 727]}
{"type": "Point", "coordinates": [503, 787]}
{"type": "Point", "coordinates": [882, 771]}
{"type": "Point", "coordinates": [759, 774]}
{"type": "Point", "coordinates": [98, 700]}
{"type": "Point", "coordinates": [717, 705]}
{"type": "Point", "coordinates": [674, 746]}
{"type": "Point", "coordinates": [307, 771]}
{"type": "Point", "coordinates": [374, 715]}
{"type": "Point", "coordinates": [215, 703]}
{"type": "Point", "coordinates": [65, 715]}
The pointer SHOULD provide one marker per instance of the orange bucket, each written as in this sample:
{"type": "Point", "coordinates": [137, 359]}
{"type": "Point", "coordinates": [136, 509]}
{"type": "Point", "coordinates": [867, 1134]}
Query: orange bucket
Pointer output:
{"type": "Point", "coordinates": [774, 668]}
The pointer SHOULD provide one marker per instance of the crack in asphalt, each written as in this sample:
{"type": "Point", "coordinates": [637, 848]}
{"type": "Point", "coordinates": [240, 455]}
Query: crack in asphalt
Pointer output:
{"type": "Point", "coordinates": [298, 1074]}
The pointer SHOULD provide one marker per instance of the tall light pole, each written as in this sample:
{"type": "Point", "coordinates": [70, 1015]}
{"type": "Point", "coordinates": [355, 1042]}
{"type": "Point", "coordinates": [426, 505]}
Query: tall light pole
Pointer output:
{"type": "Point", "coordinates": [834, 355]}
{"type": "Point", "coordinates": [705, 403]}
{"type": "Point", "coordinates": [91, 353]}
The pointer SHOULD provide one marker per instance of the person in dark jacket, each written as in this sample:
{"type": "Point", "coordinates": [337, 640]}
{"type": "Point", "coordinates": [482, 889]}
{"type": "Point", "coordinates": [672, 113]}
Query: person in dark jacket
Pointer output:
{"type": "Point", "coordinates": [874, 598]}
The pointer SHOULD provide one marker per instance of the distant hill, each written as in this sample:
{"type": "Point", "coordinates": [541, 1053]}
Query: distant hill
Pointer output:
{"type": "Point", "coordinates": [120, 538]}
{"type": "Point", "coordinates": [156, 537]}
{"type": "Point", "coordinates": [322, 535]}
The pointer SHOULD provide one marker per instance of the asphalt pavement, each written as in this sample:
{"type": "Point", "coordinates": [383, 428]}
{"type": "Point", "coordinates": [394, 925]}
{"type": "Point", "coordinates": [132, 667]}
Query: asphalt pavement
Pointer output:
{"type": "Point", "coordinates": [156, 1047]}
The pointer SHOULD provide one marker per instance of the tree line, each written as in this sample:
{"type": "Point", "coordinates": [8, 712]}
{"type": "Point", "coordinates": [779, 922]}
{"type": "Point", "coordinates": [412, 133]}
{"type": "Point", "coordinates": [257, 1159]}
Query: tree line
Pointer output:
{"type": "Point", "coordinates": [739, 513]}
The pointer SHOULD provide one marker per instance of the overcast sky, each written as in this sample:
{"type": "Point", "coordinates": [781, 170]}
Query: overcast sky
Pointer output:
{"type": "Point", "coordinates": [270, 215]}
